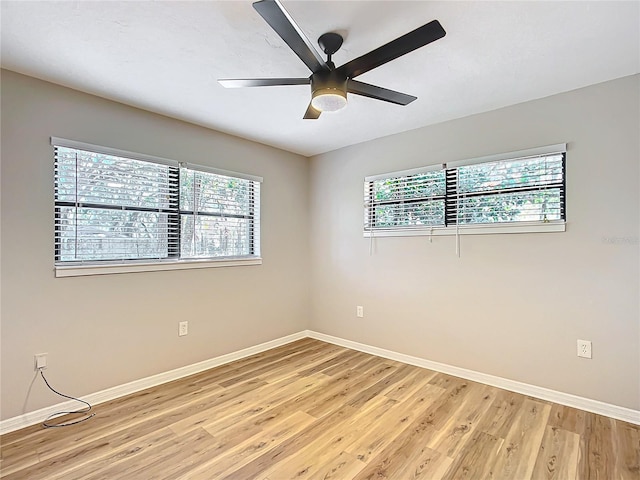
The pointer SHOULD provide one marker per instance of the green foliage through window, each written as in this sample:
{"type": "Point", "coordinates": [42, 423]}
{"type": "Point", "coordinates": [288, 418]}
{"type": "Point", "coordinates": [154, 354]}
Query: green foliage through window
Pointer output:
{"type": "Point", "coordinates": [406, 201]}
{"type": "Point", "coordinates": [506, 191]}
{"type": "Point", "coordinates": [110, 208]}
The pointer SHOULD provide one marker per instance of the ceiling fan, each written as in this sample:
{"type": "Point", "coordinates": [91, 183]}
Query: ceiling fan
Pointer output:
{"type": "Point", "coordinates": [329, 85]}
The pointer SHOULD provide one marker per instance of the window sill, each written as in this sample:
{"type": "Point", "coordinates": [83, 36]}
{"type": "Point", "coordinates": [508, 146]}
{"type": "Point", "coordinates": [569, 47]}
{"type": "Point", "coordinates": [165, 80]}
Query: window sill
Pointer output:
{"type": "Point", "coordinates": [485, 229]}
{"type": "Point", "coordinates": [108, 269]}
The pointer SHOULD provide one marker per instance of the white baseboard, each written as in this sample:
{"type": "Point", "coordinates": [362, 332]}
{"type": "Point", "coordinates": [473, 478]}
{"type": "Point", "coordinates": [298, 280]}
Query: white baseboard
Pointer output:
{"type": "Point", "coordinates": [32, 418]}
{"type": "Point", "coordinates": [594, 406]}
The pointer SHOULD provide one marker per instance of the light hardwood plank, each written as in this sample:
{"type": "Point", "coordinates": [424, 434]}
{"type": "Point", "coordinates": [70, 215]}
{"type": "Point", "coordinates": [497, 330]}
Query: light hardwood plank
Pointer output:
{"type": "Point", "coordinates": [626, 438]}
{"type": "Point", "coordinates": [520, 449]}
{"type": "Point", "coordinates": [558, 455]}
{"type": "Point", "coordinates": [597, 449]}
{"type": "Point", "coordinates": [477, 459]}
{"type": "Point", "coordinates": [452, 437]}
{"type": "Point", "coordinates": [341, 467]}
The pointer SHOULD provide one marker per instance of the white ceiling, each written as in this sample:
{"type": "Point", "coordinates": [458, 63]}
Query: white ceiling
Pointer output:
{"type": "Point", "coordinates": [165, 56]}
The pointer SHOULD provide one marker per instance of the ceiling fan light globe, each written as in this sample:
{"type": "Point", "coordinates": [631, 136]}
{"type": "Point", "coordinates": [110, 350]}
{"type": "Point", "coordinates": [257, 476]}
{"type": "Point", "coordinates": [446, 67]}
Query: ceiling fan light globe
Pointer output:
{"type": "Point", "coordinates": [329, 99]}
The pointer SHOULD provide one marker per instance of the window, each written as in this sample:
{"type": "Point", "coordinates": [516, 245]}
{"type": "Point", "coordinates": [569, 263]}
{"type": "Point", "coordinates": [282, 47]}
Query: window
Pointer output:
{"type": "Point", "coordinates": [517, 192]}
{"type": "Point", "coordinates": [217, 215]}
{"type": "Point", "coordinates": [406, 201]}
{"type": "Point", "coordinates": [115, 207]}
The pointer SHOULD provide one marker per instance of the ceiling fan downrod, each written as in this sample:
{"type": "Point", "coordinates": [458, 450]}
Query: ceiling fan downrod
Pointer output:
{"type": "Point", "coordinates": [330, 43]}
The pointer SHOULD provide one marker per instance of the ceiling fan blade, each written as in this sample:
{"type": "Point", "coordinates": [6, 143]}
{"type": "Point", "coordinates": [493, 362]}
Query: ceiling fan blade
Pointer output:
{"type": "Point", "coordinates": [379, 93]}
{"type": "Point", "coordinates": [261, 82]}
{"type": "Point", "coordinates": [409, 42]}
{"type": "Point", "coordinates": [279, 19]}
{"type": "Point", "coordinates": [311, 113]}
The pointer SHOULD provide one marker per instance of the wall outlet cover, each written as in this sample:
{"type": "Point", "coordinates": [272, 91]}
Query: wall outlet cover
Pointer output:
{"type": "Point", "coordinates": [584, 348]}
{"type": "Point", "coordinates": [183, 329]}
{"type": "Point", "coordinates": [40, 361]}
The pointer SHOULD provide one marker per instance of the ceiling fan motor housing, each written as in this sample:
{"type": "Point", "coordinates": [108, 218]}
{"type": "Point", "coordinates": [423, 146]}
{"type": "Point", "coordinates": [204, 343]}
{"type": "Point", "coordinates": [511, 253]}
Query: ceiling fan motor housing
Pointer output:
{"type": "Point", "coordinates": [328, 91]}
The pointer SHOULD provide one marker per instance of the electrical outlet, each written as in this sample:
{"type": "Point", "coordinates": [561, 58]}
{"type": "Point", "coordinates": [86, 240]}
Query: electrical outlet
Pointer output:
{"type": "Point", "coordinates": [360, 311]}
{"type": "Point", "coordinates": [40, 361]}
{"type": "Point", "coordinates": [183, 329]}
{"type": "Point", "coordinates": [584, 348]}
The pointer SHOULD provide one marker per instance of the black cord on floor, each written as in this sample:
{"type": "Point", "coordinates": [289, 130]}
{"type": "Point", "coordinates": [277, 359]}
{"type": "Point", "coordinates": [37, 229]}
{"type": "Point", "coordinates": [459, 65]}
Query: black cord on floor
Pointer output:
{"type": "Point", "coordinates": [54, 415]}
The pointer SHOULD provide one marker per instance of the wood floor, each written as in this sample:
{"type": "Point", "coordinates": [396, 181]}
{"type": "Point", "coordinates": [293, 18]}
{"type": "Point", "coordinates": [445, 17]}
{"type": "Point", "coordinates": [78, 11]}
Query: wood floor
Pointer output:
{"type": "Point", "coordinates": [318, 411]}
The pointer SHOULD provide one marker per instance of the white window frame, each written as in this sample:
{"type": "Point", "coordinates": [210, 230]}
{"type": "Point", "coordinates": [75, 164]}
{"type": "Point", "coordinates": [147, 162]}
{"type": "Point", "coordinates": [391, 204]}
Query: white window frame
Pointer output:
{"type": "Point", "coordinates": [474, 229]}
{"type": "Point", "coordinates": [152, 265]}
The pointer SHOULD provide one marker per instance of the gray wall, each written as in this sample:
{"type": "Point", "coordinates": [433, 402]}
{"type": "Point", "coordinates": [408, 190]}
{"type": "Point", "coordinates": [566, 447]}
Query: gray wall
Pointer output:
{"type": "Point", "coordinates": [511, 305]}
{"type": "Point", "coordinates": [107, 330]}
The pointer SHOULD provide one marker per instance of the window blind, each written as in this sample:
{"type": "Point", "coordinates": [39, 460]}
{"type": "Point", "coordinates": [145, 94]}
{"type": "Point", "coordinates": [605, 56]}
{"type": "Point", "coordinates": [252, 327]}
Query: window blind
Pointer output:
{"type": "Point", "coordinates": [406, 201]}
{"type": "Point", "coordinates": [526, 186]}
{"type": "Point", "coordinates": [117, 209]}
{"type": "Point", "coordinates": [113, 208]}
{"type": "Point", "coordinates": [220, 215]}
{"type": "Point", "coordinates": [521, 190]}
